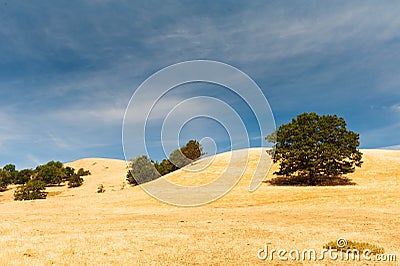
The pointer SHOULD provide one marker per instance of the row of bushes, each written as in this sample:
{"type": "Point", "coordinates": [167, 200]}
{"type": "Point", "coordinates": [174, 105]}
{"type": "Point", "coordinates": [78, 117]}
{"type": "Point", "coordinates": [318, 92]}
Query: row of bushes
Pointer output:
{"type": "Point", "coordinates": [34, 181]}
{"type": "Point", "coordinates": [142, 169]}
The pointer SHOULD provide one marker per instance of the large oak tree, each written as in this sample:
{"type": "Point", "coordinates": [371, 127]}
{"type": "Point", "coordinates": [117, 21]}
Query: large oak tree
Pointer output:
{"type": "Point", "coordinates": [315, 148]}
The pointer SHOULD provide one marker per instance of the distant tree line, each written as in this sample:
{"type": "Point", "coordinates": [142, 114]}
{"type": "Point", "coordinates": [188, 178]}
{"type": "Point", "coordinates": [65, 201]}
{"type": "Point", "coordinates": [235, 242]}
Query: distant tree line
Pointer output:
{"type": "Point", "coordinates": [34, 181]}
{"type": "Point", "coordinates": [142, 169]}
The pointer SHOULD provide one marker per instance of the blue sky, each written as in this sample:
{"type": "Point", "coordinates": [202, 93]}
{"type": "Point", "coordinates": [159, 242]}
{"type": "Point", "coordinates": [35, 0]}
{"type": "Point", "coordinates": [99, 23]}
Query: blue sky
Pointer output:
{"type": "Point", "coordinates": [69, 68]}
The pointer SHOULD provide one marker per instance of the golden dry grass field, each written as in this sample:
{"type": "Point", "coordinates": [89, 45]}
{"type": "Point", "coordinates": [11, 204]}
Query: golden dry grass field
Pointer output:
{"type": "Point", "coordinates": [128, 227]}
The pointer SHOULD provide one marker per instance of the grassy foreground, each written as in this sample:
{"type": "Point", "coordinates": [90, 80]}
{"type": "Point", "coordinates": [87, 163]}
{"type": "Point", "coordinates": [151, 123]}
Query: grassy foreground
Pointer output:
{"type": "Point", "coordinates": [126, 226]}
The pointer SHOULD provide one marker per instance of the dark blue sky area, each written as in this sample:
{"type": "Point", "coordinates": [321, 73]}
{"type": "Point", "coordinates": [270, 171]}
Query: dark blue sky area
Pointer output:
{"type": "Point", "coordinates": [69, 68]}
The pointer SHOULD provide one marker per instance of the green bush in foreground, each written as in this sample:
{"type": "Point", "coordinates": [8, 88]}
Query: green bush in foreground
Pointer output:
{"type": "Point", "coordinates": [360, 246]}
{"type": "Point", "coordinates": [32, 190]}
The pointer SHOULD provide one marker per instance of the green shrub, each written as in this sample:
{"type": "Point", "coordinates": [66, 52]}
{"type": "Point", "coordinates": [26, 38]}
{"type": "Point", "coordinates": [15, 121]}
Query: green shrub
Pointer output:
{"type": "Point", "coordinates": [23, 176]}
{"type": "Point", "coordinates": [75, 181]}
{"type": "Point", "coordinates": [360, 246]}
{"type": "Point", "coordinates": [34, 189]}
{"type": "Point", "coordinates": [12, 173]}
{"type": "Point", "coordinates": [193, 150]}
{"type": "Point", "coordinates": [165, 167]}
{"type": "Point", "coordinates": [142, 171]}
{"type": "Point", "coordinates": [131, 180]}
{"type": "Point", "coordinates": [82, 172]}
{"type": "Point", "coordinates": [187, 154]}
{"type": "Point", "coordinates": [5, 179]}
{"type": "Point", "coordinates": [179, 159]}
{"type": "Point", "coordinates": [52, 173]}
{"type": "Point", "coordinates": [69, 171]}
{"type": "Point", "coordinates": [101, 189]}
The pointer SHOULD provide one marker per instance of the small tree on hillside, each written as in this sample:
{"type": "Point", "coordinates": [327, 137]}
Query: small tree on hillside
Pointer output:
{"type": "Point", "coordinates": [193, 150]}
{"type": "Point", "coordinates": [142, 170]}
{"type": "Point", "coordinates": [23, 176]}
{"type": "Point", "coordinates": [131, 180]}
{"type": "Point", "coordinates": [187, 154]}
{"type": "Point", "coordinates": [178, 159]}
{"type": "Point", "coordinates": [100, 188]}
{"type": "Point", "coordinates": [165, 167]}
{"type": "Point", "coordinates": [34, 189]}
{"type": "Point", "coordinates": [313, 148]}
{"type": "Point", "coordinates": [75, 181]}
{"type": "Point", "coordinates": [83, 172]}
{"type": "Point", "coordinates": [52, 173]}
{"type": "Point", "coordinates": [10, 168]}
{"type": "Point", "coordinates": [5, 179]}
{"type": "Point", "coordinates": [68, 173]}
{"type": "Point", "coordinates": [7, 176]}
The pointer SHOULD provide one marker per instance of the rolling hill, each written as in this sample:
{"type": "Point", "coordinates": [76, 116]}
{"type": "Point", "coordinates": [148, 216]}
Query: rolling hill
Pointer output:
{"type": "Point", "coordinates": [125, 225]}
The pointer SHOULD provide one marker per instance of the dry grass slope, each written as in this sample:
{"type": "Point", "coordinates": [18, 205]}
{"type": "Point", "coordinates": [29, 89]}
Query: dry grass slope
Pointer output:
{"type": "Point", "coordinates": [81, 227]}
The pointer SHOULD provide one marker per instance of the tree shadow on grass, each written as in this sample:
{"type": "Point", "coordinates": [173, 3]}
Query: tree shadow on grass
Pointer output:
{"type": "Point", "coordinates": [306, 181]}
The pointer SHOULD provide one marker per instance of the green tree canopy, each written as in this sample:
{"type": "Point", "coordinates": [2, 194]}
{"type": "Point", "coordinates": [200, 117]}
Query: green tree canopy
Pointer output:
{"type": "Point", "coordinates": [10, 168]}
{"type": "Point", "coordinates": [187, 154]}
{"type": "Point", "coordinates": [179, 159]}
{"type": "Point", "coordinates": [34, 189]}
{"type": "Point", "coordinates": [142, 170]}
{"type": "Point", "coordinates": [5, 179]}
{"type": "Point", "coordinates": [316, 147]}
{"type": "Point", "coordinates": [8, 176]}
{"type": "Point", "coordinates": [75, 180]}
{"type": "Point", "coordinates": [192, 150]}
{"type": "Point", "coordinates": [23, 176]}
{"type": "Point", "coordinates": [165, 167]}
{"type": "Point", "coordinates": [69, 172]}
{"type": "Point", "coordinates": [52, 173]}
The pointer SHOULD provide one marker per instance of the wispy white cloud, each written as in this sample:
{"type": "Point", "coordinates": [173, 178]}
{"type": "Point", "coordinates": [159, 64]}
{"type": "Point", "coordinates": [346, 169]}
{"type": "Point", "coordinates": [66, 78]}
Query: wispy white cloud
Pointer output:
{"type": "Point", "coordinates": [107, 115]}
{"type": "Point", "coordinates": [395, 107]}
{"type": "Point", "coordinates": [279, 33]}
